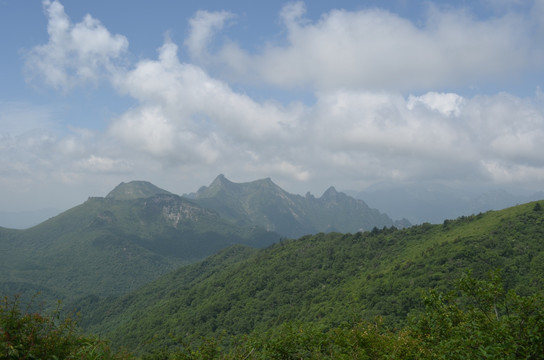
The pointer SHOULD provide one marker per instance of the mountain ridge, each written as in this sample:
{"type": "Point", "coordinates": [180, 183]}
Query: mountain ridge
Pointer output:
{"type": "Point", "coordinates": [264, 203]}
{"type": "Point", "coordinates": [108, 246]}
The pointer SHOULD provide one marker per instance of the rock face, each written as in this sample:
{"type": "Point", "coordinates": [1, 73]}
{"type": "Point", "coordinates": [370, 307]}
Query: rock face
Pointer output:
{"type": "Point", "coordinates": [177, 210]}
{"type": "Point", "coordinates": [264, 203]}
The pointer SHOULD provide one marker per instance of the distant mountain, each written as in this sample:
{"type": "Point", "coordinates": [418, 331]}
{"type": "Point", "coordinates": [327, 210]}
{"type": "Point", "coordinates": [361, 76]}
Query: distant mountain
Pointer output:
{"type": "Point", "coordinates": [433, 203]}
{"type": "Point", "coordinates": [325, 279]}
{"type": "Point", "coordinates": [111, 245]}
{"type": "Point", "coordinates": [135, 190]}
{"type": "Point", "coordinates": [264, 203]}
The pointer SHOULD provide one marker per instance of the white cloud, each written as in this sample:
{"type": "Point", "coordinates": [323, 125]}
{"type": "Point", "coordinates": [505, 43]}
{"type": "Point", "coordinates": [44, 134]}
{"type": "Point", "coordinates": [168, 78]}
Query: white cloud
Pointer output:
{"type": "Point", "coordinates": [101, 164]}
{"type": "Point", "coordinates": [447, 104]}
{"type": "Point", "coordinates": [377, 50]}
{"type": "Point", "coordinates": [203, 26]}
{"type": "Point", "coordinates": [188, 125]}
{"type": "Point", "coordinates": [75, 54]}
{"type": "Point", "coordinates": [282, 168]}
{"type": "Point", "coordinates": [185, 111]}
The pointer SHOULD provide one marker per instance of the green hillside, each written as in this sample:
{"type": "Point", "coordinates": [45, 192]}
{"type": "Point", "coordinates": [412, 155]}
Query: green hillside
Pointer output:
{"type": "Point", "coordinates": [264, 203]}
{"type": "Point", "coordinates": [325, 279]}
{"type": "Point", "coordinates": [109, 246]}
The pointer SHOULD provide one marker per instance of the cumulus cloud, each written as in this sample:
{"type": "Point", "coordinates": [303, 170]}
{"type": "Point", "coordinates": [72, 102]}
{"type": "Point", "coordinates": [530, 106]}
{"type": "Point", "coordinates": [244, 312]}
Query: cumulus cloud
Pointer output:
{"type": "Point", "coordinates": [75, 53]}
{"type": "Point", "coordinates": [367, 122]}
{"type": "Point", "coordinates": [203, 26]}
{"type": "Point", "coordinates": [183, 111]}
{"type": "Point", "coordinates": [447, 104]}
{"type": "Point", "coordinates": [374, 49]}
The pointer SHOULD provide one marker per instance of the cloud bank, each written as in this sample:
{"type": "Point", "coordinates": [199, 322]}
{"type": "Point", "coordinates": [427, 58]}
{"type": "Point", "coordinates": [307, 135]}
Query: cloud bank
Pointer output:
{"type": "Point", "coordinates": [374, 49]}
{"type": "Point", "coordinates": [376, 116]}
{"type": "Point", "coordinates": [76, 53]}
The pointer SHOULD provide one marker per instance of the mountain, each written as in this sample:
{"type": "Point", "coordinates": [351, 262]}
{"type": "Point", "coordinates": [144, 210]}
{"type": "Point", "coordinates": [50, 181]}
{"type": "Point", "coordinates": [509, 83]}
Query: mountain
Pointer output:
{"type": "Point", "coordinates": [264, 203]}
{"type": "Point", "coordinates": [114, 244]}
{"type": "Point", "coordinates": [135, 190]}
{"type": "Point", "coordinates": [324, 279]}
{"type": "Point", "coordinates": [433, 202]}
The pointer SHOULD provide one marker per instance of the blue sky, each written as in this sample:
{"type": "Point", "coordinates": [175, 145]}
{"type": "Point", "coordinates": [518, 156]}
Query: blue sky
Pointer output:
{"type": "Point", "coordinates": [310, 94]}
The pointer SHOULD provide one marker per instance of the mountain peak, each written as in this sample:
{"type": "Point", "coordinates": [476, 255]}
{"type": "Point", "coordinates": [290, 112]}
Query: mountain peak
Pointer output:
{"type": "Point", "coordinates": [330, 194]}
{"type": "Point", "coordinates": [135, 190]}
{"type": "Point", "coordinates": [220, 180]}
{"type": "Point", "coordinates": [219, 184]}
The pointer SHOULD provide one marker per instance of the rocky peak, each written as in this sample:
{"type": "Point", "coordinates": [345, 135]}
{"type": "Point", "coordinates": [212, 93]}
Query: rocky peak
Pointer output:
{"type": "Point", "coordinates": [331, 194]}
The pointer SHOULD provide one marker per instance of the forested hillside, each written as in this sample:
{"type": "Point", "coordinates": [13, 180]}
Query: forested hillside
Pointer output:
{"type": "Point", "coordinates": [112, 245]}
{"type": "Point", "coordinates": [326, 280]}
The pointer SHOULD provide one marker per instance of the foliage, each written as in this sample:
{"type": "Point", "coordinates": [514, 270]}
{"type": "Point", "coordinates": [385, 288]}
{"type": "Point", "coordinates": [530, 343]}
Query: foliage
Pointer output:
{"type": "Point", "coordinates": [30, 335]}
{"type": "Point", "coordinates": [490, 323]}
{"type": "Point", "coordinates": [480, 321]}
{"type": "Point", "coordinates": [484, 322]}
{"type": "Point", "coordinates": [74, 254]}
{"type": "Point", "coordinates": [325, 279]}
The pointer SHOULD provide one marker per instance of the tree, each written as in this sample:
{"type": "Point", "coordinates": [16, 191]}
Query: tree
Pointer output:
{"type": "Point", "coordinates": [30, 335]}
{"type": "Point", "coordinates": [486, 322]}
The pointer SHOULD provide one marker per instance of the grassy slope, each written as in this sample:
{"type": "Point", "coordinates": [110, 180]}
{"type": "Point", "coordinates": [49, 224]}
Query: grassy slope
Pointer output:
{"type": "Point", "coordinates": [327, 279]}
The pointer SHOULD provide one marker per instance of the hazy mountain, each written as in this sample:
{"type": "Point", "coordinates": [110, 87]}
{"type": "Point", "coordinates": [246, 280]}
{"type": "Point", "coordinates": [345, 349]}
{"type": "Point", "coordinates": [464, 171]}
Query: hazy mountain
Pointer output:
{"type": "Point", "coordinates": [135, 190]}
{"type": "Point", "coordinates": [115, 244]}
{"type": "Point", "coordinates": [264, 203]}
{"type": "Point", "coordinates": [325, 279]}
{"type": "Point", "coordinates": [431, 202]}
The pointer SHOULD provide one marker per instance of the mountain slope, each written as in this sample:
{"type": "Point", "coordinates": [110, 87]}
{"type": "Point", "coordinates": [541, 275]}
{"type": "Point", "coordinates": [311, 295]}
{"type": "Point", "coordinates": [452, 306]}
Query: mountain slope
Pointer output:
{"type": "Point", "coordinates": [326, 279]}
{"type": "Point", "coordinates": [108, 246]}
{"type": "Point", "coordinates": [264, 203]}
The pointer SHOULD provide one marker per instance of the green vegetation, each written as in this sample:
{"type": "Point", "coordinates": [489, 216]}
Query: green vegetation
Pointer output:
{"type": "Point", "coordinates": [139, 232]}
{"type": "Point", "coordinates": [31, 335]}
{"type": "Point", "coordinates": [325, 280]}
{"type": "Point", "coordinates": [323, 296]}
{"type": "Point", "coordinates": [108, 247]}
{"type": "Point", "coordinates": [482, 322]}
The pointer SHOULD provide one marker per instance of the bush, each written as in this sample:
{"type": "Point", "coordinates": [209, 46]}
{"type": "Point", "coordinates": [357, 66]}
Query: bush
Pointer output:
{"type": "Point", "coordinates": [30, 335]}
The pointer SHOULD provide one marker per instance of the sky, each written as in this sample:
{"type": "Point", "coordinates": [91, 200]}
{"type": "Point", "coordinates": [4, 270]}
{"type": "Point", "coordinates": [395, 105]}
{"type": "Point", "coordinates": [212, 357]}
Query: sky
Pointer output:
{"type": "Point", "coordinates": [310, 94]}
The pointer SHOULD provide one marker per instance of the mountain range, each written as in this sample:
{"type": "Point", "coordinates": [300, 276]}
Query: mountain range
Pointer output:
{"type": "Point", "coordinates": [114, 244]}
{"type": "Point", "coordinates": [146, 267]}
{"type": "Point", "coordinates": [264, 203]}
{"type": "Point", "coordinates": [416, 202]}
